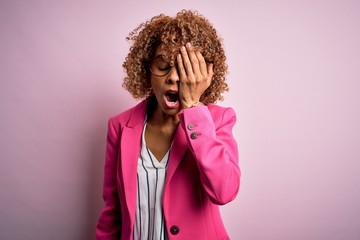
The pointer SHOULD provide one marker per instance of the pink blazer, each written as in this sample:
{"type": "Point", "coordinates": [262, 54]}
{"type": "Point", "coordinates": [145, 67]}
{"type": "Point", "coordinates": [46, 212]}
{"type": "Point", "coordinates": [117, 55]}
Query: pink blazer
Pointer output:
{"type": "Point", "coordinates": [203, 172]}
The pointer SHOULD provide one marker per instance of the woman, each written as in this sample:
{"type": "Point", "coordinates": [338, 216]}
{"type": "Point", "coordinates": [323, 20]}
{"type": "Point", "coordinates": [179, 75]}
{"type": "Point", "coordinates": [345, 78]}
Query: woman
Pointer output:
{"type": "Point", "coordinates": [171, 159]}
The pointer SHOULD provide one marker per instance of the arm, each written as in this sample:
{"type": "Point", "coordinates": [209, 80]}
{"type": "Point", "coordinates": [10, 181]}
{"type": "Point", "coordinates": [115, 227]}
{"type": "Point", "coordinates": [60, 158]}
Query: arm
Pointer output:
{"type": "Point", "coordinates": [215, 151]}
{"type": "Point", "coordinates": [214, 148]}
{"type": "Point", "coordinates": [109, 224]}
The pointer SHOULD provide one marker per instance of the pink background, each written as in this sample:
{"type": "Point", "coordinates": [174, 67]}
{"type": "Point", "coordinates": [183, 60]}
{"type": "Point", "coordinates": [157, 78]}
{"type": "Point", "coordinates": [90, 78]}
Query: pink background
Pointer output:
{"type": "Point", "coordinates": [294, 78]}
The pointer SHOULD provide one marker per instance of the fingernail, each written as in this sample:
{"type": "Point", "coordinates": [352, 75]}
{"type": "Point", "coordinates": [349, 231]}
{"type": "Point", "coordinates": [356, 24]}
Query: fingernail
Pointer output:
{"type": "Point", "coordinates": [188, 44]}
{"type": "Point", "coordinates": [183, 48]}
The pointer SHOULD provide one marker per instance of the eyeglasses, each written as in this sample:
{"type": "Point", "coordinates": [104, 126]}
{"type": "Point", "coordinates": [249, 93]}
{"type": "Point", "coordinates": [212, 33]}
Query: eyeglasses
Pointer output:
{"type": "Point", "coordinates": [159, 67]}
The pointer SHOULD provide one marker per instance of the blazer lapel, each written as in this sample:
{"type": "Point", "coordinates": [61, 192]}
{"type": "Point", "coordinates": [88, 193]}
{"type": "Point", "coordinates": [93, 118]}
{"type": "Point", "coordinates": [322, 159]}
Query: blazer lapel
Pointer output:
{"type": "Point", "coordinates": [177, 152]}
{"type": "Point", "coordinates": [130, 150]}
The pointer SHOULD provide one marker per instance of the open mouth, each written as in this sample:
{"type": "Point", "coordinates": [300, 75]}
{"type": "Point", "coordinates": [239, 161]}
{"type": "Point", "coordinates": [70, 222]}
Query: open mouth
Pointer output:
{"type": "Point", "coordinates": [172, 98]}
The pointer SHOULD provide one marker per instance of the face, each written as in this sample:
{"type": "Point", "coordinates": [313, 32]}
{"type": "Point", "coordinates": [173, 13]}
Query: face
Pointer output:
{"type": "Point", "coordinates": [165, 84]}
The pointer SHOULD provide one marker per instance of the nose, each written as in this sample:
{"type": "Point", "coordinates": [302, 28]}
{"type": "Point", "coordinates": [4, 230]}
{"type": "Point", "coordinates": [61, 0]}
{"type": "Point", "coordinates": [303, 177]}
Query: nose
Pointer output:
{"type": "Point", "coordinates": [173, 76]}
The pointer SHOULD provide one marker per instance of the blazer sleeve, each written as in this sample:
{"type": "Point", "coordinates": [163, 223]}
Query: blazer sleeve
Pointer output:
{"type": "Point", "coordinates": [109, 223]}
{"type": "Point", "coordinates": [215, 151]}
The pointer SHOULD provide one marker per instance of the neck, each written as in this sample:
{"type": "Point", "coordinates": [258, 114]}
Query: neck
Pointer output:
{"type": "Point", "coordinates": [161, 119]}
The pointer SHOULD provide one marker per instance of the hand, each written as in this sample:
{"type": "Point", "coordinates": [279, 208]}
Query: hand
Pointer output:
{"type": "Point", "coordinates": [195, 75]}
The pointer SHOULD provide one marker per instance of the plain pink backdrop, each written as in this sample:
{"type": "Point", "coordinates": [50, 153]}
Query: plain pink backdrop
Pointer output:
{"type": "Point", "coordinates": [294, 80]}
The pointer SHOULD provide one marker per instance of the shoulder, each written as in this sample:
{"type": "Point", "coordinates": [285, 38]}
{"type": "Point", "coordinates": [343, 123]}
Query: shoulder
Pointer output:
{"type": "Point", "coordinates": [122, 117]}
{"type": "Point", "coordinates": [220, 113]}
{"type": "Point", "coordinates": [216, 109]}
{"type": "Point", "coordinates": [129, 117]}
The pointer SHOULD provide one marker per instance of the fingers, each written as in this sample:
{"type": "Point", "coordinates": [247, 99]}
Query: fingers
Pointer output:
{"type": "Point", "coordinates": [202, 64]}
{"type": "Point", "coordinates": [181, 67]}
{"type": "Point", "coordinates": [195, 75]}
{"type": "Point", "coordinates": [186, 60]}
{"type": "Point", "coordinates": [192, 62]}
{"type": "Point", "coordinates": [210, 70]}
{"type": "Point", "coordinates": [193, 56]}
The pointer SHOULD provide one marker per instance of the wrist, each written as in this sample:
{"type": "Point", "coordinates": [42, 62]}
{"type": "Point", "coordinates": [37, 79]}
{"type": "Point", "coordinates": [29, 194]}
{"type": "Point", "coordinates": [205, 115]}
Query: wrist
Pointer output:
{"type": "Point", "coordinates": [192, 105]}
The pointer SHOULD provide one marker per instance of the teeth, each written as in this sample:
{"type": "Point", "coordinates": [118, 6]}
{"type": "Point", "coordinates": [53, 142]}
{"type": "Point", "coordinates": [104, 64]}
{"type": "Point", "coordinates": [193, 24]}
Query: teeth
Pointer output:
{"type": "Point", "coordinates": [171, 99]}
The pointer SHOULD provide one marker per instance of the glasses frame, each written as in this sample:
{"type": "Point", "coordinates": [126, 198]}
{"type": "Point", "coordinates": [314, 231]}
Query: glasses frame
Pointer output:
{"type": "Point", "coordinates": [161, 75]}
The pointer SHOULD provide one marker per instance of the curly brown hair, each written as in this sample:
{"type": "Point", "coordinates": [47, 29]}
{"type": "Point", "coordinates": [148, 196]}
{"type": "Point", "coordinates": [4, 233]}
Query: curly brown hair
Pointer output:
{"type": "Point", "coordinates": [187, 26]}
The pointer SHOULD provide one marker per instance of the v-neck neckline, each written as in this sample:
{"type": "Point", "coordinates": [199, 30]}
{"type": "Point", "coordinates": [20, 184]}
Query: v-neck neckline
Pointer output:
{"type": "Point", "coordinates": [157, 163]}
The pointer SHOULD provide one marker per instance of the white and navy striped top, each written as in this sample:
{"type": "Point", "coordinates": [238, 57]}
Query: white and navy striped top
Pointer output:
{"type": "Point", "coordinates": [149, 217]}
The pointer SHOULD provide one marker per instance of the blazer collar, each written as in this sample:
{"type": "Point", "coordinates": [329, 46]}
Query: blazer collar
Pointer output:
{"type": "Point", "coordinates": [131, 136]}
{"type": "Point", "coordinates": [137, 115]}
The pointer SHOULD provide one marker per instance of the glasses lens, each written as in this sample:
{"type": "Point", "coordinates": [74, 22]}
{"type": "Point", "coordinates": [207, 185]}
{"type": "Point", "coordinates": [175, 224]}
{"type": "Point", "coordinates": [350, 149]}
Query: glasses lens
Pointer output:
{"type": "Point", "coordinates": [159, 67]}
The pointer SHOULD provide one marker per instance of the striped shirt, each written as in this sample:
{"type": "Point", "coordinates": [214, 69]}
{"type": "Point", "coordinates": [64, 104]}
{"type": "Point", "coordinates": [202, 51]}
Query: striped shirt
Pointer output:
{"type": "Point", "coordinates": [149, 217]}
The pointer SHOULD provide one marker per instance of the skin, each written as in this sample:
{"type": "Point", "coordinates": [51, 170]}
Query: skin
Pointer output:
{"type": "Point", "coordinates": [191, 77]}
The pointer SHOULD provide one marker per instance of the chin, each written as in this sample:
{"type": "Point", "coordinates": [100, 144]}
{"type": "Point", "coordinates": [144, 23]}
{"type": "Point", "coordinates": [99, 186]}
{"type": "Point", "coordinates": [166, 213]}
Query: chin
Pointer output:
{"type": "Point", "coordinates": [173, 111]}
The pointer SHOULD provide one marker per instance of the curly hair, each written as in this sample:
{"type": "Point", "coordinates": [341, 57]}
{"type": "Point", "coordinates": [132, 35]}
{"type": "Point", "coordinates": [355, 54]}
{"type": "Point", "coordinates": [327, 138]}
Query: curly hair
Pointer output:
{"type": "Point", "coordinates": [187, 26]}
